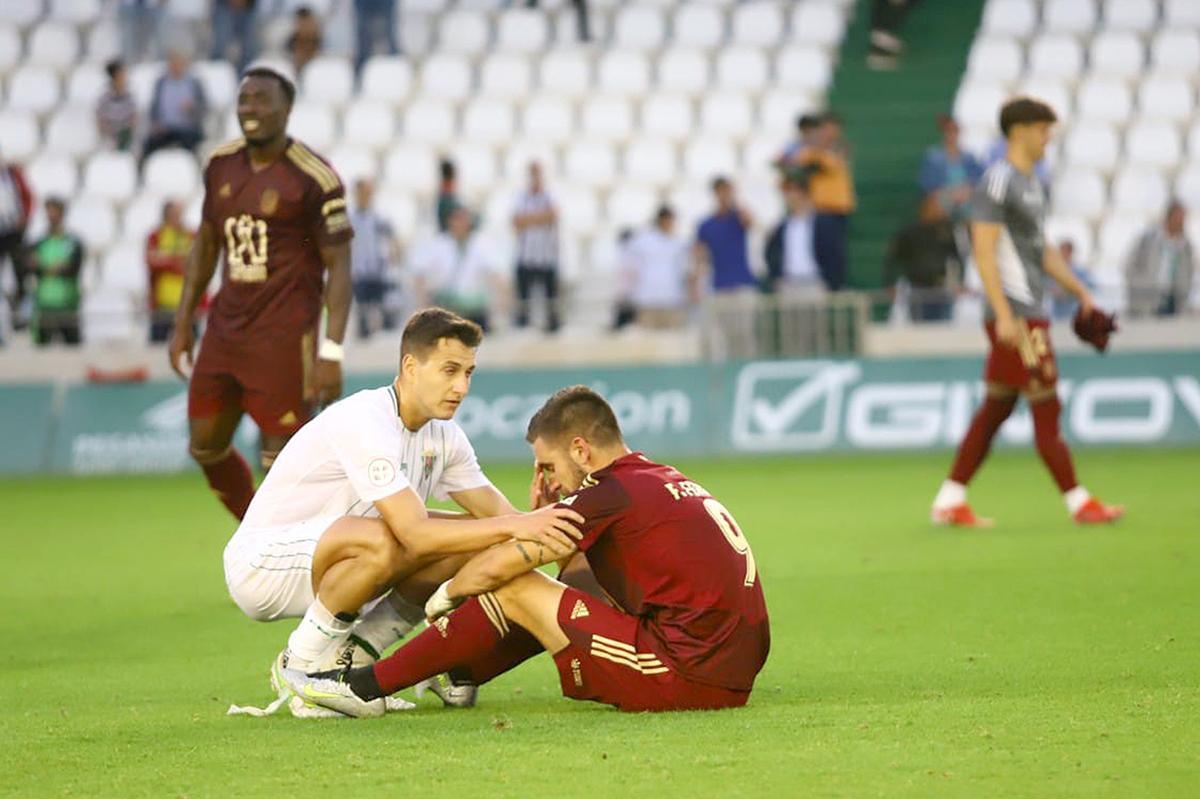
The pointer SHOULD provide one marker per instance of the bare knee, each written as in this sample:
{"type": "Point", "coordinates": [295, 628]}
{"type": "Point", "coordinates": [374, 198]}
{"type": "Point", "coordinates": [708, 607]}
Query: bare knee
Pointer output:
{"type": "Point", "coordinates": [204, 453]}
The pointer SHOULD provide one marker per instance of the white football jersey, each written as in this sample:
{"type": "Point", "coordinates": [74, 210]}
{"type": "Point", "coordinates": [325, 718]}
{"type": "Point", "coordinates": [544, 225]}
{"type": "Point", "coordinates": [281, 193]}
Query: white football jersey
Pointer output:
{"type": "Point", "coordinates": [358, 451]}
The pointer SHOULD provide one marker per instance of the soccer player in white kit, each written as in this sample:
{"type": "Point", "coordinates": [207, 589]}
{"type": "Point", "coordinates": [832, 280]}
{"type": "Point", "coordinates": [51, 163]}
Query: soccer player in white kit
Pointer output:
{"type": "Point", "coordinates": [341, 519]}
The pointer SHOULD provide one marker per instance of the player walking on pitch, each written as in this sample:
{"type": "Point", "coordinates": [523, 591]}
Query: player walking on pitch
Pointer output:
{"type": "Point", "coordinates": [689, 629]}
{"type": "Point", "coordinates": [1007, 231]}
{"type": "Point", "coordinates": [277, 211]}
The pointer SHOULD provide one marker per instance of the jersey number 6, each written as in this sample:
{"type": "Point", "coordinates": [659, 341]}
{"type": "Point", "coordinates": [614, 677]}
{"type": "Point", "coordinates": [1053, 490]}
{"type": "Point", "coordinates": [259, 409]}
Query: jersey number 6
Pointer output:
{"type": "Point", "coordinates": [733, 534]}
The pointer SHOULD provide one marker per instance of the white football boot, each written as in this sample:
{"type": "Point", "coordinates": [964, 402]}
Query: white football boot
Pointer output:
{"type": "Point", "coordinates": [298, 707]}
{"type": "Point", "coordinates": [451, 693]}
{"type": "Point", "coordinates": [330, 694]}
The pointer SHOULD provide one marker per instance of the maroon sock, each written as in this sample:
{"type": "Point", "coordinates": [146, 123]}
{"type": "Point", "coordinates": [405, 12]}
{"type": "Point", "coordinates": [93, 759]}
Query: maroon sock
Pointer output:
{"type": "Point", "coordinates": [978, 440]}
{"type": "Point", "coordinates": [1050, 444]}
{"type": "Point", "coordinates": [463, 636]}
{"type": "Point", "coordinates": [231, 481]}
{"type": "Point", "coordinates": [513, 650]}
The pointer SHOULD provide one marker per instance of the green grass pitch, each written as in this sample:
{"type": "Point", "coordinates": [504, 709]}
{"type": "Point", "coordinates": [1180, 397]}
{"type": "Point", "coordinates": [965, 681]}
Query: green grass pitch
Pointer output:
{"type": "Point", "coordinates": [1035, 659]}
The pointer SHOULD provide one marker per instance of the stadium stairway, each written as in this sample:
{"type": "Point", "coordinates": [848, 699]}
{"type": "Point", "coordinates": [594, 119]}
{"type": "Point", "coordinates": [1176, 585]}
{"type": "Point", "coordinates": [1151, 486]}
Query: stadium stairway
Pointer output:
{"type": "Point", "coordinates": [889, 118]}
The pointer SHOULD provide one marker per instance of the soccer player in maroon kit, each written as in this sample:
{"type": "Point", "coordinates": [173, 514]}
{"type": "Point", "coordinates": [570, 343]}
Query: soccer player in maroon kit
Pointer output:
{"type": "Point", "coordinates": [687, 628]}
{"type": "Point", "coordinates": [278, 212]}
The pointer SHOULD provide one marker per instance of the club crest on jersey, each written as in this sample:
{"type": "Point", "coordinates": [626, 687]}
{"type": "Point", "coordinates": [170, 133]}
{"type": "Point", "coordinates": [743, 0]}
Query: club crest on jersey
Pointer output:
{"type": "Point", "coordinates": [225, 191]}
{"type": "Point", "coordinates": [427, 464]}
{"type": "Point", "coordinates": [269, 203]}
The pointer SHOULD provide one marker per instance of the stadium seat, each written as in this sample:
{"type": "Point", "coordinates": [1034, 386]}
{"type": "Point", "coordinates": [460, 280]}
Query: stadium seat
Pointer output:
{"type": "Point", "coordinates": [220, 83]}
{"type": "Point", "coordinates": [607, 118]}
{"type": "Point", "coordinates": [742, 69]}
{"type": "Point", "coordinates": [354, 163]}
{"type": "Point", "coordinates": [54, 45]}
{"type": "Point", "coordinates": [762, 198]}
{"type": "Point", "coordinates": [33, 88]}
{"type": "Point", "coordinates": [107, 314]}
{"type": "Point", "coordinates": [53, 175]}
{"type": "Point", "coordinates": [624, 73]}
{"type": "Point", "coordinates": [803, 68]}
{"type": "Point", "coordinates": [92, 218]}
{"type": "Point", "coordinates": [1137, 191]}
{"type": "Point", "coordinates": [817, 22]}
{"type": "Point", "coordinates": [428, 120]}
{"type": "Point", "coordinates": [1176, 52]}
{"type": "Point", "coordinates": [1116, 54]}
{"type": "Point", "coordinates": [1166, 98]}
{"type": "Point", "coordinates": [998, 60]}
{"type": "Point", "coordinates": [79, 13]}
{"type": "Point", "coordinates": [522, 31]}
{"type": "Point", "coordinates": [1153, 144]}
{"type": "Point", "coordinates": [1052, 92]}
{"type": "Point", "coordinates": [590, 164]}
{"type": "Point", "coordinates": [578, 210]}
{"type": "Point", "coordinates": [1093, 145]}
{"type": "Point", "coordinates": [978, 104]}
{"type": "Point", "coordinates": [142, 79]}
{"type": "Point", "coordinates": [72, 131]}
{"type": "Point", "coordinates": [518, 155]}
{"type": "Point", "coordinates": [19, 136]}
{"type": "Point", "coordinates": [313, 124]}
{"type": "Point", "coordinates": [488, 121]}
{"type": "Point", "coordinates": [400, 209]}
{"type": "Point", "coordinates": [566, 29]}
{"type": "Point", "coordinates": [1069, 16]}
{"type": "Point", "coordinates": [123, 268]}
{"type": "Point", "coordinates": [141, 216]}
{"type": "Point", "coordinates": [759, 154]}
{"type": "Point", "coordinates": [1116, 236]}
{"type": "Point", "coordinates": [1017, 18]}
{"type": "Point", "coordinates": [103, 42]}
{"type": "Point", "coordinates": [638, 27]}
{"type": "Point", "coordinates": [369, 123]}
{"type": "Point", "coordinates": [548, 119]}
{"type": "Point", "coordinates": [505, 75]}
{"type": "Point", "coordinates": [701, 27]}
{"type": "Point", "coordinates": [1131, 15]}
{"type": "Point", "coordinates": [705, 158]}
{"type": "Point", "coordinates": [1056, 56]}
{"type": "Point", "coordinates": [1181, 13]}
{"type": "Point", "coordinates": [328, 80]}
{"type": "Point", "coordinates": [411, 167]}
{"type": "Point", "coordinates": [1187, 186]}
{"type": "Point", "coordinates": [112, 176]}
{"type": "Point", "coordinates": [446, 76]}
{"type": "Point", "coordinates": [758, 24]}
{"type": "Point", "coordinates": [1104, 100]}
{"type": "Point", "coordinates": [683, 72]}
{"type": "Point", "coordinates": [86, 84]}
{"type": "Point", "coordinates": [630, 205]}
{"type": "Point", "coordinates": [476, 167]}
{"type": "Point", "coordinates": [779, 109]}
{"type": "Point", "coordinates": [692, 201]}
{"type": "Point", "coordinates": [10, 48]}
{"type": "Point", "coordinates": [1074, 229]}
{"type": "Point", "coordinates": [1079, 192]}
{"type": "Point", "coordinates": [21, 14]}
{"type": "Point", "coordinates": [464, 32]}
{"type": "Point", "coordinates": [387, 78]}
{"type": "Point", "coordinates": [566, 73]}
{"type": "Point", "coordinates": [650, 162]}
{"type": "Point", "coordinates": [190, 10]}
{"type": "Point", "coordinates": [727, 115]}
{"type": "Point", "coordinates": [667, 116]}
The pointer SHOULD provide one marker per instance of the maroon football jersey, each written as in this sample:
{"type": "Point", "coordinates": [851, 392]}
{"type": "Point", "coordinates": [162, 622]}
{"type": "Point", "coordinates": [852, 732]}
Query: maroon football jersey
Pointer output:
{"type": "Point", "coordinates": [270, 224]}
{"type": "Point", "coordinates": [666, 551]}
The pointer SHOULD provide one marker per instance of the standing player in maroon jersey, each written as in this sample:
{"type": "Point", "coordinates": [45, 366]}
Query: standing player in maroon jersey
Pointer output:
{"type": "Point", "coordinates": [278, 212]}
{"type": "Point", "coordinates": [688, 628]}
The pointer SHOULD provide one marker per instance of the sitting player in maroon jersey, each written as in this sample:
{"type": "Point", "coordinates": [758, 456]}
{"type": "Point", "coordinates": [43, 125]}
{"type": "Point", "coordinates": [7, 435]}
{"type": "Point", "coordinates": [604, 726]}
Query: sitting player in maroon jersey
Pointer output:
{"type": "Point", "coordinates": [278, 212]}
{"type": "Point", "coordinates": [688, 625]}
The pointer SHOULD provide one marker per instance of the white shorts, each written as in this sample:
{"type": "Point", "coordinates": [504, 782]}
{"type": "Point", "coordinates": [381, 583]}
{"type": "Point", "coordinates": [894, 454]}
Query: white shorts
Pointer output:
{"type": "Point", "coordinates": [269, 570]}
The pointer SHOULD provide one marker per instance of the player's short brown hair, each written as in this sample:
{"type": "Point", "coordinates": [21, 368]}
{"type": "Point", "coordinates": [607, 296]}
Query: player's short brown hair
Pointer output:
{"type": "Point", "coordinates": [575, 411]}
{"type": "Point", "coordinates": [1024, 111]}
{"type": "Point", "coordinates": [426, 328]}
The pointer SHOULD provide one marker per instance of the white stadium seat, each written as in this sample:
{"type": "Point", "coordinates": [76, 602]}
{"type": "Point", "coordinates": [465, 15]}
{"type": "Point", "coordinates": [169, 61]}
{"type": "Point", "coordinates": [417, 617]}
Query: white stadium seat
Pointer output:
{"type": "Point", "coordinates": [141, 217]}
{"type": "Point", "coordinates": [692, 202]}
{"type": "Point", "coordinates": [1131, 15]}
{"type": "Point", "coordinates": [19, 137]}
{"type": "Point", "coordinates": [590, 163]}
{"type": "Point", "coordinates": [548, 119]}
{"type": "Point", "coordinates": [54, 45]}
{"type": "Point", "coordinates": [112, 176]}
{"type": "Point", "coordinates": [399, 208]}
{"type": "Point", "coordinates": [630, 205]}
{"type": "Point", "coordinates": [103, 42]}
{"type": "Point", "coordinates": [1074, 229]}
{"type": "Point", "coordinates": [996, 59]}
{"type": "Point", "coordinates": [1187, 186]}
{"type": "Point", "coordinates": [107, 314]}
{"type": "Point", "coordinates": [566, 73]}
{"type": "Point", "coordinates": [21, 14]}
{"type": "Point", "coordinates": [1117, 234]}
{"type": "Point", "coordinates": [522, 31]}
{"type": "Point", "coordinates": [1079, 192]}
{"type": "Point", "coordinates": [191, 10]}
{"type": "Point", "coordinates": [476, 168]}
{"type": "Point", "coordinates": [607, 118]}
{"type": "Point", "coordinates": [803, 68]}
{"type": "Point", "coordinates": [758, 24]}
{"type": "Point", "coordinates": [638, 27]}
{"type": "Point", "coordinates": [53, 175]}
{"type": "Point", "coordinates": [818, 22]}
{"type": "Point", "coordinates": [624, 73]}
{"type": "Point", "coordinates": [978, 104]}
{"type": "Point", "coordinates": [743, 69]}
{"type": "Point", "coordinates": [1093, 145]}
{"type": "Point", "coordinates": [1052, 92]}
{"type": "Point", "coordinates": [683, 71]}
{"type": "Point", "coordinates": [412, 167]}
{"type": "Point", "coordinates": [327, 80]}
{"type": "Point", "coordinates": [354, 163]}
{"type": "Point", "coordinates": [1176, 52]}
{"type": "Point", "coordinates": [33, 88]}
{"type": "Point", "coordinates": [1181, 13]}
{"type": "Point", "coordinates": [517, 157]}
{"type": "Point", "coordinates": [446, 76]}
{"type": "Point", "coordinates": [10, 48]}
{"type": "Point", "coordinates": [313, 124]}
{"type": "Point", "coordinates": [76, 12]}
{"type": "Point", "coordinates": [387, 78]}
{"type": "Point", "coordinates": [86, 84]}
{"type": "Point", "coordinates": [72, 131]}
{"type": "Point", "coordinates": [762, 199]}
{"type": "Point", "coordinates": [93, 220]}
{"type": "Point", "coordinates": [1169, 98]}
{"type": "Point", "coordinates": [1193, 141]}
{"type": "Point", "coordinates": [220, 83]}
{"type": "Point", "coordinates": [370, 124]}
{"type": "Point", "coordinates": [578, 209]}
{"type": "Point", "coordinates": [1010, 18]}
{"type": "Point", "coordinates": [1153, 144]}
{"type": "Point", "coordinates": [727, 115]}
{"type": "Point", "coordinates": [698, 26]}
{"type": "Point", "coordinates": [1104, 100]}
{"type": "Point", "coordinates": [142, 79]}
{"type": "Point", "coordinates": [1069, 16]}
{"type": "Point", "coordinates": [124, 268]}
{"type": "Point", "coordinates": [1056, 56]}
{"type": "Point", "coordinates": [1116, 54]}
{"type": "Point", "coordinates": [1138, 191]}
{"type": "Point", "coordinates": [488, 121]}
{"type": "Point", "coordinates": [705, 158]}
{"type": "Point", "coordinates": [505, 75]}
{"type": "Point", "coordinates": [667, 116]}
{"type": "Point", "coordinates": [758, 156]}
{"type": "Point", "coordinates": [566, 29]}
{"type": "Point", "coordinates": [779, 109]}
{"type": "Point", "coordinates": [650, 162]}
{"type": "Point", "coordinates": [429, 120]}
{"type": "Point", "coordinates": [463, 31]}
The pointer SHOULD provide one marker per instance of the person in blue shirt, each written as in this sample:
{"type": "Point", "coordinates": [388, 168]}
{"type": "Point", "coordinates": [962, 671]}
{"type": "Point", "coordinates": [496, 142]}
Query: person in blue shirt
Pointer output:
{"type": "Point", "coordinates": [721, 243]}
{"type": "Point", "coordinates": [949, 171]}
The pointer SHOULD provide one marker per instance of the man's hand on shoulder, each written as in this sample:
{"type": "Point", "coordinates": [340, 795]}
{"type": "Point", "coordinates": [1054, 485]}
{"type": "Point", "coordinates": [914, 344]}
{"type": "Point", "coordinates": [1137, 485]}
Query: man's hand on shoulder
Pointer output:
{"type": "Point", "coordinates": [556, 529]}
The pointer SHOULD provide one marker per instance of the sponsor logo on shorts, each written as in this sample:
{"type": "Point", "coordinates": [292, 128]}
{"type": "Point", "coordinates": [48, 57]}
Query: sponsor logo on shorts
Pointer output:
{"type": "Point", "coordinates": [580, 611]}
{"type": "Point", "coordinates": [381, 471]}
{"type": "Point", "coordinates": [441, 623]}
{"type": "Point", "coordinates": [289, 418]}
{"type": "Point", "coordinates": [577, 672]}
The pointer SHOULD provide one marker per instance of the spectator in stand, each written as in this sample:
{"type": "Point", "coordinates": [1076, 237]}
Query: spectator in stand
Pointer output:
{"type": "Point", "coordinates": [233, 26]}
{"type": "Point", "coordinates": [304, 43]}
{"type": "Point", "coordinates": [623, 311]}
{"type": "Point", "coordinates": [949, 173]}
{"type": "Point", "coordinates": [806, 127]}
{"type": "Point", "coordinates": [721, 248]}
{"type": "Point", "coordinates": [831, 190]}
{"type": "Point", "coordinates": [140, 22]}
{"type": "Point", "coordinates": [167, 249]}
{"type": "Point", "coordinates": [447, 193]}
{"type": "Point", "coordinates": [372, 252]}
{"type": "Point", "coordinates": [581, 17]}
{"type": "Point", "coordinates": [458, 271]}
{"type": "Point", "coordinates": [177, 108]}
{"type": "Point", "coordinates": [925, 255]}
{"type": "Point", "coordinates": [374, 22]}
{"type": "Point", "coordinates": [55, 262]}
{"type": "Point", "coordinates": [886, 44]}
{"type": "Point", "coordinates": [536, 222]}
{"type": "Point", "coordinates": [1062, 302]}
{"type": "Point", "coordinates": [795, 274]}
{"type": "Point", "coordinates": [116, 111]}
{"type": "Point", "coordinates": [663, 283]}
{"type": "Point", "coordinates": [16, 205]}
{"type": "Point", "coordinates": [1159, 269]}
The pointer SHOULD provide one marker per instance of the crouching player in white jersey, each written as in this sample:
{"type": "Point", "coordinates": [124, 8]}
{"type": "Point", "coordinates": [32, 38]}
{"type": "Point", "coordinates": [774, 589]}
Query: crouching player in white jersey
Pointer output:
{"type": "Point", "coordinates": [340, 520]}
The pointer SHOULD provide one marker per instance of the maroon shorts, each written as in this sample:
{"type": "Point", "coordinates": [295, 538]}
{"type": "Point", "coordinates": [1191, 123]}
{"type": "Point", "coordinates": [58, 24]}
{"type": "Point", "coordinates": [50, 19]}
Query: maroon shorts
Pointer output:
{"type": "Point", "coordinates": [267, 381]}
{"type": "Point", "coordinates": [603, 663]}
{"type": "Point", "coordinates": [1028, 367]}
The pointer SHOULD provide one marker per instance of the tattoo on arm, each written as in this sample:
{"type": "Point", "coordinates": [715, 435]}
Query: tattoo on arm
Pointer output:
{"type": "Point", "coordinates": [524, 554]}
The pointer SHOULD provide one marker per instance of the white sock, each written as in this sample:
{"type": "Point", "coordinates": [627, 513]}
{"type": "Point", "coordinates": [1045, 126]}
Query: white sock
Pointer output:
{"type": "Point", "coordinates": [1076, 498]}
{"type": "Point", "coordinates": [319, 633]}
{"type": "Point", "coordinates": [388, 620]}
{"type": "Point", "coordinates": [950, 495]}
